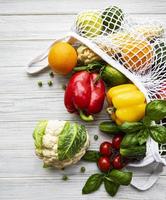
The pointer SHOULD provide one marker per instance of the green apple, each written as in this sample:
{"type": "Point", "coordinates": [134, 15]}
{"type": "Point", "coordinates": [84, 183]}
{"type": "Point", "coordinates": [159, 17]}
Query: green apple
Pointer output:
{"type": "Point", "coordinates": [89, 24]}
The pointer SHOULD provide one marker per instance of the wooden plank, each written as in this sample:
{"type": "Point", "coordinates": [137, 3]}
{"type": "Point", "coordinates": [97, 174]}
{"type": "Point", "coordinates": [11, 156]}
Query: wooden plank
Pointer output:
{"type": "Point", "coordinates": [21, 132]}
{"type": "Point", "coordinates": [55, 188]}
{"type": "Point", "coordinates": [47, 26]}
{"type": "Point", "coordinates": [23, 163]}
{"type": "Point", "coordinates": [53, 7]}
{"type": "Point", "coordinates": [20, 53]}
{"type": "Point", "coordinates": [22, 103]}
{"type": "Point", "coordinates": [34, 27]}
{"type": "Point", "coordinates": [20, 152]}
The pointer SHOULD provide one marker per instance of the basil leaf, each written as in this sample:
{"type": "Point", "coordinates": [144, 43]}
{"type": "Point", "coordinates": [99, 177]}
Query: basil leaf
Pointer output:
{"type": "Point", "coordinates": [110, 186]}
{"type": "Point", "coordinates": [129, 140]}
{"type": "Point", "coordinates": [158, 133]}
{"type": "Point", "coordinates": [156, 110]}
{"type": "Point", "coordinates": [91, 156]}
{"type": "Point", "coordinates": [131, 127]}
{"type": "Point", "coordinates": [135, 152]}
{"type": "Point", "coordinates": [147, 121]}
{"type": "Point", "coordinates": [142, 136]}
{"type": "Point", "coordinates": [120, 177]}
{"type": "Point", "coordinates": [93, 183]}
{"type": "Point", "coordinates": [71, 140]}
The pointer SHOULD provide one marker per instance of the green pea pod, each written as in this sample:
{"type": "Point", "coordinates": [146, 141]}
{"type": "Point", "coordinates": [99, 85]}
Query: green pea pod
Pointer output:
{"type": "Point", "coordinates": [91, 156]}
{"type": "Point", "coordinates": [93, 183]}
{"type": "Point", "coordinates": [120, 177]}
{"type": "Point", "coordinates": [110, 186]}
{"type": "Point", "coordinates": [131, 127]}
{"type": "Point", "coordinates": [156, 110]}
{"type": "Point", "coordinates": [112, 76]}
{"type": "Point", "coordinates": [109, 127]}
{"type": "Point", "coordinates": [135, 152]}
{"type": "Point", "coordinates": [158, 133]}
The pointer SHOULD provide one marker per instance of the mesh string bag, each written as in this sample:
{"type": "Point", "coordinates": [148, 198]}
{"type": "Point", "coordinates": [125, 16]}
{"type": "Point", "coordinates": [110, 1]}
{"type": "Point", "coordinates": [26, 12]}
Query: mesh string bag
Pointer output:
{"type": "Point", "coordinates": [135, 47]}
{"type": "Point", "coordinates": [138, 46]}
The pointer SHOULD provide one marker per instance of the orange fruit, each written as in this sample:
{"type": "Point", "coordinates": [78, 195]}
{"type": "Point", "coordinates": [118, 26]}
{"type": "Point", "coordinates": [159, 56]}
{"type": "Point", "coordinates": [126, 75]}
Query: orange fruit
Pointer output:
{"type": "Point", "coordinates": [62, 58]}
{"type": "Point", "coordinates": [137, 55]}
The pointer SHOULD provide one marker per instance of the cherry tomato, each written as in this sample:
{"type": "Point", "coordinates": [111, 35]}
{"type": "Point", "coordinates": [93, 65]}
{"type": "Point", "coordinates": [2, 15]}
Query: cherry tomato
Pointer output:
{"type": "Point", "coordinates": [117, 162]}
{"type": "Point", "coordinates": [116, 141]}
{"type": "Point", "coordinates": [104, 164]}
{"type": "Point", "coordinates": [105, 148]}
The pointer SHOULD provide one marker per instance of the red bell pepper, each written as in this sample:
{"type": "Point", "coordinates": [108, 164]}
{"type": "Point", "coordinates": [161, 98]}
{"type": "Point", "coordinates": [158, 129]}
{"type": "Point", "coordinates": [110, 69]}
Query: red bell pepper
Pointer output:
{"type": "Point", "coordinates": [84, 95]}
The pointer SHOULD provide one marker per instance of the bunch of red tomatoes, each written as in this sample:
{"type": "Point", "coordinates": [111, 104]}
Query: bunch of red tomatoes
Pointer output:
{"type": "Point", "coordinates": [110, 155]}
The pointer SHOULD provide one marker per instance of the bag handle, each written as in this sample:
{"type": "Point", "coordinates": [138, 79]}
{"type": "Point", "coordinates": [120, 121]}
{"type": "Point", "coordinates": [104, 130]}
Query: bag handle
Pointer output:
{"type": "Point", "coordinates": [150, 180]}
{"type": "Point", "coordinates": [40, 62]}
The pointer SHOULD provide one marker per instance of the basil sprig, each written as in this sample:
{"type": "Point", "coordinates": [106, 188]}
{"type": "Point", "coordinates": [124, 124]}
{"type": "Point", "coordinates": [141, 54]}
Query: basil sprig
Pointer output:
{"type": "Point", "coordinates": [142, 136]}
{"type": "Point", "coordinates": [112, 181]}
{"type": "Point", "coordinates": [110, 186]}
{"type": "Point", "coordinates": [91, 156]}
{"type": "Point", "coordinates": [93, 183]}
{"type": "Point", "coordinates": [120, 177]}
{"type": "Point", "coordinates": [131, 127]}
{"type": "Point", "coordinates": [137, 133]}
{"type": "Point", "coordinates": [156, 110]}
{"type": "Point", "coordinates": [158, 133]}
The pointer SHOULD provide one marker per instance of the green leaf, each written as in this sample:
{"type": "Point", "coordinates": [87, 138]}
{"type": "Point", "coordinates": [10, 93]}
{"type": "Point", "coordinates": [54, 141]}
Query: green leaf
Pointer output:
{"type": "Point", "coordinates": [147, 121]}
{"type": "Point", "coordinates": [39, 133]}
{"type": "Point", "coordinates": [156, 110]}
{"type": "Point", "coordinates": [158, 133]}
{"type": "Point", "coordinates": [110, 186]}
{"type": "Point", "coordinates": [120, 177]}
{"type": "Point", "coordinates": [93, 183]}
{"type": "Point", "coordinates": [135, 152]}
{"type": "Point", "coordinates": [91, 156]}
{"type": "Point", "coordinates": [129, 140]}
{"type": "Point", "coordinates": [131, 127]}
{"type": "Point", "coordinates": [71, 140]}
{"type": "Point", "coordinates": [142, 136]}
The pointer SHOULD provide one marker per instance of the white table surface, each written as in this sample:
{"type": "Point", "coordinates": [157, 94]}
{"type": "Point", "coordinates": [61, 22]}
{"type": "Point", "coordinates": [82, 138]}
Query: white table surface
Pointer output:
{"type": "Point", "coordinates": [26, 28]}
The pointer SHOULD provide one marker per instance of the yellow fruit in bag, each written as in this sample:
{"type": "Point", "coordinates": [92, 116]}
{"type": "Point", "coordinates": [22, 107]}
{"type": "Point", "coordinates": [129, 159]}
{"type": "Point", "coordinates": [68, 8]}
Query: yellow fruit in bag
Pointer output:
{"type": "Point", "coordinates": [62, 58]}
{"type": "Point", "coordinates": [137, 55]}
{"type": "Point", "coordinates": [89, 24]}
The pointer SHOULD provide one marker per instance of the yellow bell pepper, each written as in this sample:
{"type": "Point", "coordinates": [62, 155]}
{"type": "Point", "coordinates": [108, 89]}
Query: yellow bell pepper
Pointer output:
{"type": "Point", "coordinates": [129, 103]}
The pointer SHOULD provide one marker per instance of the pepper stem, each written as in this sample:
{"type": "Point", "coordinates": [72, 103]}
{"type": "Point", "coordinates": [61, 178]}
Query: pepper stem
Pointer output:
{"type": "Point", "coordinates": [82, 68]}
{"type": "Point", "coordinates": [85, 117]}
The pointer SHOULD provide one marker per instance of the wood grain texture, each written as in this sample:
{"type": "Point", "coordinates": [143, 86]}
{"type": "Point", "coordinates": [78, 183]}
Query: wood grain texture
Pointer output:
{"type": "Point", "coordinates": [9, 7]}
{"type": "Point", "coordinates": [42, 27]}
{"type": "Point", "coordinates": [27, 27]}
{"type": "Point", "coordinates": [55, 188]}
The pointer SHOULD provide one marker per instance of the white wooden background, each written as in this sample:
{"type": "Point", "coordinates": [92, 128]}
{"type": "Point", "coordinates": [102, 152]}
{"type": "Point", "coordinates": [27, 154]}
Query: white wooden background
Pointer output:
{"type": "Point", "coordinates": [26, 28]}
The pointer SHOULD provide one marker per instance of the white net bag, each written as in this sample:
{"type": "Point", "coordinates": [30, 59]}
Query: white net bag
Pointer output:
{"type": "Point", "coordinates": [138, 46]}
{"type": "Point", "coordinates": [134, 47]}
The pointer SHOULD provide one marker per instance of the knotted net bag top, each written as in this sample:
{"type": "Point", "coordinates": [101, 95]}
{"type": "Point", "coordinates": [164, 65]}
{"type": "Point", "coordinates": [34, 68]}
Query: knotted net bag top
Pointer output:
{"type": "Point", "coordinates": [137, 44]}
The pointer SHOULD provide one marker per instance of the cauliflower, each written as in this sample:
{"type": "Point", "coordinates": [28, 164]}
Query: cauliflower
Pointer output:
{"type": "Point", "coordinates": [60, 143]}
{"type": "Point", "coordinates": [86, 55]}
